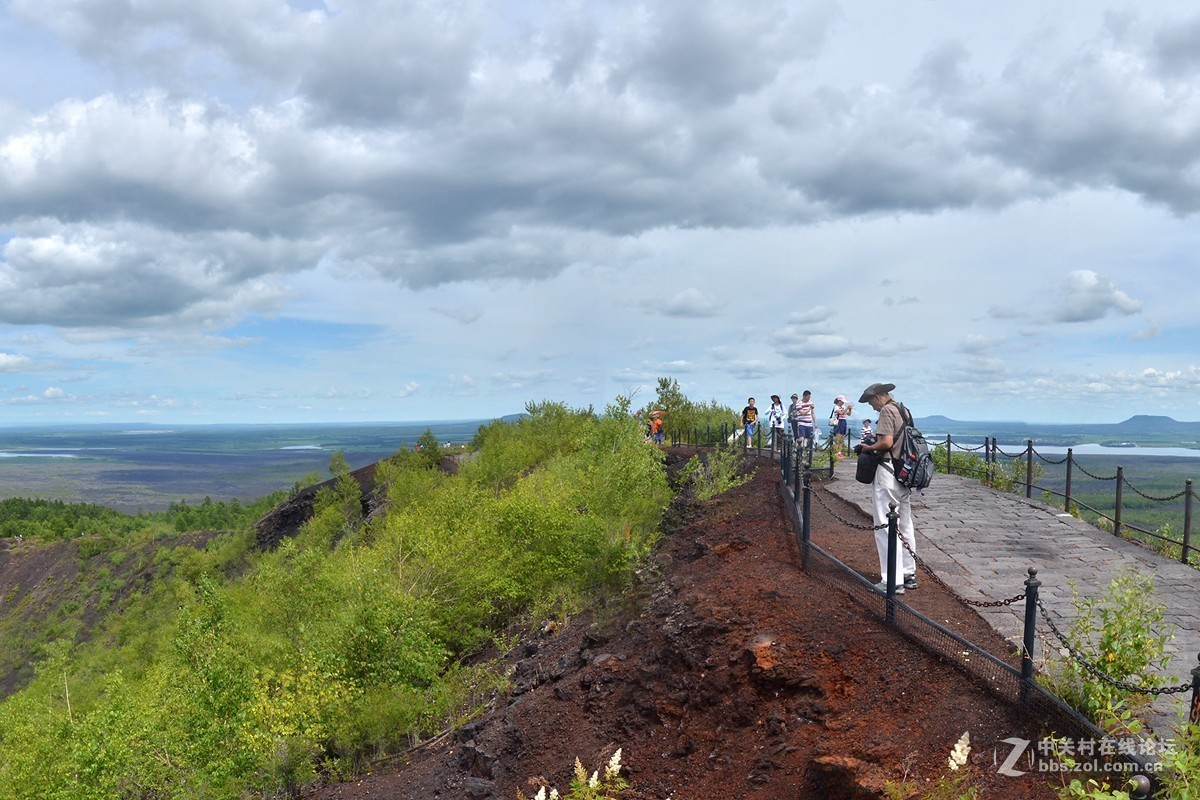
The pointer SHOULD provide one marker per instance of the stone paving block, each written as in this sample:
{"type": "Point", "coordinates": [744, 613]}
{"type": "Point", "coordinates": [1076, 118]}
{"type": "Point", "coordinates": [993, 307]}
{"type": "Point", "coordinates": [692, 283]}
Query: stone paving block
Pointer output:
{"type": "Point", "coordinates": [987, 540]}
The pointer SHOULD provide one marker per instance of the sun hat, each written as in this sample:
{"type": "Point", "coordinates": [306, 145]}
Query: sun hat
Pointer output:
{"type": "Point", "coordinates": [841, 398]}
{"type": "Point", "coordinates": [874, 389]}
{"type": "Point", "coordinates": [795, 396]}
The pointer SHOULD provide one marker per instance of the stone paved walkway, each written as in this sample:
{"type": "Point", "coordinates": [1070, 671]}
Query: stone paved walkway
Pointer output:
{"type": "Point", "coordinates": [982, 543]}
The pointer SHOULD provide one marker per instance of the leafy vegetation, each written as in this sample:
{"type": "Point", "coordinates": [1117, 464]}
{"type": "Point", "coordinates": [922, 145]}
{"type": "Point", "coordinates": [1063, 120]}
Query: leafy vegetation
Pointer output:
{"type": "Point", "coordinates": [1124, 634]}
{"type": "Point", "coordinates": [715, 472]}
{"type": "Point", "coordinates": [242, 672]}
{"type": "Point", "coordinates": [691, 421]}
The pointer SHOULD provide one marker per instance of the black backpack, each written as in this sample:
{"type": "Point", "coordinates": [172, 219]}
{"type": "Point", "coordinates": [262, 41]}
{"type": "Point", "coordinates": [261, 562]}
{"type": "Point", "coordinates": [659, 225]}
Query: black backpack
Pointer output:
{"type": "Point", "coordinates": [914, 468]}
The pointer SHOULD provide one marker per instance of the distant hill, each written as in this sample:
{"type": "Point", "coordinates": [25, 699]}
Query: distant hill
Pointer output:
{"type": "Point", "coordinates": [1146, 430]}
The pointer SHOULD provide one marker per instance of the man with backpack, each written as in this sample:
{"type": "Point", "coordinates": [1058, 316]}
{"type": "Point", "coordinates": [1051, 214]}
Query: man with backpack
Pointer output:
{"type": "Point", "coordinates": [887, 488]}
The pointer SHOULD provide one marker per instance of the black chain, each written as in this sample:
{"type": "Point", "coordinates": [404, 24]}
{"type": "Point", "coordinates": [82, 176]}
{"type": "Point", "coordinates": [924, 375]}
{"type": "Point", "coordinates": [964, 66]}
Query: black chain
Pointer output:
{"type": "Point", "coordinates": [997, 449]}
{"type": "Point", "coordinates": [938, 580]}
{"type": "Point", "coordinates": [966, 449]}
{"type": "Point", "coordinates": [1062, 460]}
{"type": "Point", "coordinates": [842, 519]}
{"type": "Point", "coordinates": [925, 567]}
{"type": "Point", "coordinates": [1090, 475]}
{"type": "Point", "coordinates": [1124, 686]}
{"type": "Point", "coordinates": [1138, 491]}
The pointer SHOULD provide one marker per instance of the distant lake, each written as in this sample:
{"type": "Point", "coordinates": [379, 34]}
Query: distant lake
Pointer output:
{"type": "Point", "coordinates": [1103, 450]}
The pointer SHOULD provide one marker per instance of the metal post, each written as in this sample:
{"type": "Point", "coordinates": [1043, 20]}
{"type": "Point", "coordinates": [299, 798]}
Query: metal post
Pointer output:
{"type": "Point", "coordinates": [805, 527]}
{"type": "Point", "coordinates": [1031, 595]}
{"type": "Point", "coordinates": [1029, 468]}
{"type": "Point", "coordinates": [796, 476]}
{"type": "Point", "coordinates": [949, 460]}
{"type": "Point", "coordinates": [1194, 714]}
{"type": "Point", "coordinates": [992, 467]}
{"type": "Point", "coordinates": [890, 578]}
{"type": "Point", "coordinates": [1067, 499]}
{"type": "Point", "coordinates": [1117, 513]}
{"type": "Point", "coordinates": [1187, 522]}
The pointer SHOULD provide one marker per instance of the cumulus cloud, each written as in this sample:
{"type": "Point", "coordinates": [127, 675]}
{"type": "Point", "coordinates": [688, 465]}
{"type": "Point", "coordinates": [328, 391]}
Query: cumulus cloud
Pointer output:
{"type": "Point", "coordinates": [689, 303]}
{"type": "Point", "coordinates": [132, 275]}
{"type": "Point", "coordinates": [14, 362]}
{"type": "Point", "coordinates": [1152, 331]}
{"type": "Point", "coordinates": [813, 316]}
{"type": "Point", "coordinates": [237, 153]}
{"type": "Point", "coordinates": [1087, 296]}
{"type": "Point", "coordinates": [429, 146]}
{"type": "Point", "coordinates": [977, 343]}
{"type": "Point", "coordinates": [821, 345]}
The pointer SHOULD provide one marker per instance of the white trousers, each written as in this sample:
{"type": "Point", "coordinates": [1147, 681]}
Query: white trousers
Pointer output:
{"type": "Point", "coordinates": [886, 491]}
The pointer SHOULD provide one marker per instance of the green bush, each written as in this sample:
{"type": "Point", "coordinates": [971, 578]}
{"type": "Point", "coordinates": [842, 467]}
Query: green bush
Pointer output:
{"type": "Point", "coordinates": [1124, 634]}
{"type": "Point", "coordinates": [715, 472]}
{"type": "Point", "coordinates": [249, 673]}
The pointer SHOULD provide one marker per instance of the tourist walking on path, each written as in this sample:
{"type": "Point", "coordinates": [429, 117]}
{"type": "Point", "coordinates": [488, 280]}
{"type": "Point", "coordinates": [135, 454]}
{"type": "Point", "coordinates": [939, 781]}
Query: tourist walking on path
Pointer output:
{"type": "Point", "coordinates": [750, 418]}
{"type": "Point", "coordinates": [775, 419]}
{"type": "Point", "coordinates": [839, 421]}
{"type": "Point", "coordinates": [886, 490]}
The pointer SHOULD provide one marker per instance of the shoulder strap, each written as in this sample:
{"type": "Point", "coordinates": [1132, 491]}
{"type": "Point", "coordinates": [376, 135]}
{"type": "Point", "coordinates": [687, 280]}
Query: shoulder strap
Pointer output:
{"type": "Point", "coordinates": [906, 415]}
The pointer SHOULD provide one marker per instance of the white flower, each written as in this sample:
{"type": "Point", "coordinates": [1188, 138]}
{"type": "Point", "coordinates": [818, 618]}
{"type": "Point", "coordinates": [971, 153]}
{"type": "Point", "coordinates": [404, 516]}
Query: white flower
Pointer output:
{"type": "Point", "coordinates": [962, 748]}
{"type": "Point", "coordinates": [554, 794]}
{"type": "Point", "coordinates": [614, 764]}
{"type": "Point", "coordinates": [541, 795]}
{"type": "Point", "coordinates": [594, 781]}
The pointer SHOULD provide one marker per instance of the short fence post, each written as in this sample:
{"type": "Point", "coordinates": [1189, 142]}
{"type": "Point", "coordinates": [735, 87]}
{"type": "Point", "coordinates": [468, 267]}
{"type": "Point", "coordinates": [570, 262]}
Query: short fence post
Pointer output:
{"type": "Point", "coordinates": [1187, 522]}
{"type": "Point", "coordinates": [796, 476]}
{"type": "Point", "coordinates": [1031, 596]}
{"type": "Point", "coordinates": [805, 528]}
{"type": "Point", "coordinates": [992, 467]}
{"type": "Point", "coordinates": [1029, 468]}
{"type": "Point", "coordinates": [1194, 715]}
{"type": "Point", "coordinates": [890, 578]}
{"type": "Point", "coordinates": [949, 460]}
{"type": "Point", "coordinates": [1067, 499]}
{"type": "Point", "coordinates": [1117, 513]}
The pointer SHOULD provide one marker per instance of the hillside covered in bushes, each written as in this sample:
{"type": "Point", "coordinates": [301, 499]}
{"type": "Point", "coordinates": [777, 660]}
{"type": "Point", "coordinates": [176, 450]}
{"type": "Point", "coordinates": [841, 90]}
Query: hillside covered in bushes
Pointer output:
{"type": "Point", "coordinates": [227, 669]}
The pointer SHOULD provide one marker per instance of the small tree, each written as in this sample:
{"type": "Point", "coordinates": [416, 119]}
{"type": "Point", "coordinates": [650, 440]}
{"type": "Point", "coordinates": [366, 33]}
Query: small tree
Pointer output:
{"type": "Point", "coordinates": [429, 452]}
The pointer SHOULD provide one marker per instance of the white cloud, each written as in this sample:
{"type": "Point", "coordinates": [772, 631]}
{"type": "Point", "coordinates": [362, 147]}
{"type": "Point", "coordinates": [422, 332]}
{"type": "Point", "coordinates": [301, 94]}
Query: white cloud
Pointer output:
{"type": "Point", "coordinates": [977, 343]}
{"type": "Point", "coordinates": [476, 184]}
{"type": "Point", "coordinates": [690, 303]}
{"type": "Point", "coordinates": [1087, 296]}
{"type": "Point", "coordinates": [13, 362]}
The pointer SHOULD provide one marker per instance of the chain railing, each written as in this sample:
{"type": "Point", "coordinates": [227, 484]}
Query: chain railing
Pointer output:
{"type": "Point", "coordinates": [1101, 675]}
{"type": "Point", "coordinates": [795, 465]}
{"type": "Point", "coordinates": [986, 470]}
{"type": "Point", "coordinates": [1025, 688]}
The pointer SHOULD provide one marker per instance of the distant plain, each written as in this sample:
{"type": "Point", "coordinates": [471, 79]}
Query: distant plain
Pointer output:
{"type": "Point", "coordinates": [135, 468]}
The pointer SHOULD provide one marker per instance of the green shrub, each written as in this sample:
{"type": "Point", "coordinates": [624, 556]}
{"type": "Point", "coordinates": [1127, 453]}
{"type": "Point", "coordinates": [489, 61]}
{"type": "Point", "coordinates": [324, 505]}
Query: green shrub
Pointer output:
{"type": "Point", "coordinates": [1124, 634]}
{"type": "Point", "coordinates": [715, 472]}
{"type": "Point", "coordinates": [246, 673]}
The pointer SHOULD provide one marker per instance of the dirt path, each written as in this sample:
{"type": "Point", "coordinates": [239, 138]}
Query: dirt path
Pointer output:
{"type": "Point", "coordinates": [734, 674]}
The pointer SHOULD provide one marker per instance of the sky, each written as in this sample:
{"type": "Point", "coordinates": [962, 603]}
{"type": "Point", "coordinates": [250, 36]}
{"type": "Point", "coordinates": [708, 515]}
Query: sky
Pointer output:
{"type": "Point", "coordinates": [266, 211]}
